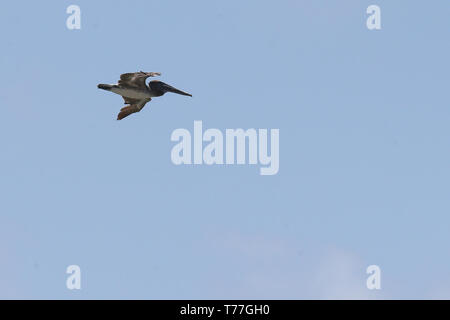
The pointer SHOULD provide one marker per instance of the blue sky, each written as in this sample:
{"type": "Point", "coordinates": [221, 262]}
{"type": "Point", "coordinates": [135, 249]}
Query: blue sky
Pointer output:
{"type": "Point", "coordinates": [364, 150]}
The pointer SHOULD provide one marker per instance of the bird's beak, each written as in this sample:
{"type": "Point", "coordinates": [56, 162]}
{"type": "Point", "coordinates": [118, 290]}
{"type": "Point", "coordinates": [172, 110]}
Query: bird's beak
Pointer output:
{"type": "Point", "coordinates": [168, 88]}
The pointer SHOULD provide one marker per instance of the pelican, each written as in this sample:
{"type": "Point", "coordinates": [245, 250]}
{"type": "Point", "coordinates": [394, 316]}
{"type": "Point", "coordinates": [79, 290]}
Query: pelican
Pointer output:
{"type": "Point", "coordinates": [136, 93]}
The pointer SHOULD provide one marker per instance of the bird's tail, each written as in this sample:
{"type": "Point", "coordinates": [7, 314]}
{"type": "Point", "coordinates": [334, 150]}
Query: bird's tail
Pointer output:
{"type": "Point", "coordinates": [105, 86]}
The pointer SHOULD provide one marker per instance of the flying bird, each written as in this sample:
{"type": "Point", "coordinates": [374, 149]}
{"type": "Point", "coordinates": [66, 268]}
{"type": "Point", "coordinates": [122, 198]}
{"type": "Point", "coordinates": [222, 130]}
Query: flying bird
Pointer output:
{"type": "Point", "coordinates": [136, 93]}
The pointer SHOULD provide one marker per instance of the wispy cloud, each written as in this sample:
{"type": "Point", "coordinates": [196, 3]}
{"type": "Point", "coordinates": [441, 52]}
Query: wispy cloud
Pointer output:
{"type": "Point", "coordinates": [274, 268]}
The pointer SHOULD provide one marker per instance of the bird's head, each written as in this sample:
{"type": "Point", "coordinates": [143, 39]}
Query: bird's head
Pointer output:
{"type": "Point", "coordinates": [161, 88]}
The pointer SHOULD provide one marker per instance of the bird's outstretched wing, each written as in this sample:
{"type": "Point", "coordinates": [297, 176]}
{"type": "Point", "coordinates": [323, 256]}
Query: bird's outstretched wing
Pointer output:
{"type": "Point", "coordinates": [136, 79]}
{"type": "Point", "coordinates": [135, 105]}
